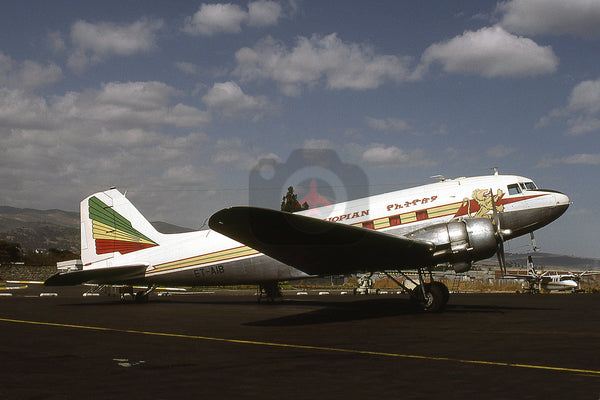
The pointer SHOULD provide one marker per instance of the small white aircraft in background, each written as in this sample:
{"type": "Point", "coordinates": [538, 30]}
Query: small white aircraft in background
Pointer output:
{"type": "Point", "coordinates": [454, 221]}
{"type": "Point", "coordinates": [536, 281]}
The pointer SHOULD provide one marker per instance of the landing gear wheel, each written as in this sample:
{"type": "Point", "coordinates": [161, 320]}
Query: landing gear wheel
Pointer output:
{"type": "Point", "coordinates": [435, 299]}
{"type": "Point", "coordinates": [444, 290]}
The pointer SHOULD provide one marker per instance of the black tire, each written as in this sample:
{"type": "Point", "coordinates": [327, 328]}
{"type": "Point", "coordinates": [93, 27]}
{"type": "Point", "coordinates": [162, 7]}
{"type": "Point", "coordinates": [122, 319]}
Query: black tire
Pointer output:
{"type": "Point", "coordinates": [444, 290]}
{"type": "Point", "coordinates": [434, 300]}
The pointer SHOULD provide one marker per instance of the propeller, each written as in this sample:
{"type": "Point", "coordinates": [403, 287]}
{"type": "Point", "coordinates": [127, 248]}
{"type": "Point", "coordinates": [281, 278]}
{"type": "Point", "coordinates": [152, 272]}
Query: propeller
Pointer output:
{"type": "Point", "coordinates": [499, 236]}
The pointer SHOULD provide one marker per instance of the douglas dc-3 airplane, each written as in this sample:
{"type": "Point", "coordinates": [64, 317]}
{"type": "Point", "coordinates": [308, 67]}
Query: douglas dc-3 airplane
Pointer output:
{"type": "Point", "coordinates": [454, 221]}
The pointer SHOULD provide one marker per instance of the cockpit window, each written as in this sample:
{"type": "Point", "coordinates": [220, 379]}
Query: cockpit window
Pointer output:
{"type": "Point", "coordinates": [514, 189]}
{"type": "Point", "coordinates": [528, 186]}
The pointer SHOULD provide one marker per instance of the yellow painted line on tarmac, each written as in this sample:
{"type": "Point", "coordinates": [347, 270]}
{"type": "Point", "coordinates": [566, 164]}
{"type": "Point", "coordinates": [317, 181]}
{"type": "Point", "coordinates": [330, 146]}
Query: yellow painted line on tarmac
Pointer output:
{"type": "Point", "coordinates": [590, 372]}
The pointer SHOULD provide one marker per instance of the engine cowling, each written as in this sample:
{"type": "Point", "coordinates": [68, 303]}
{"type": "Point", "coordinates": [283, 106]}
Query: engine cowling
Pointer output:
{"type": "Point", "coordinates": [460, 242]}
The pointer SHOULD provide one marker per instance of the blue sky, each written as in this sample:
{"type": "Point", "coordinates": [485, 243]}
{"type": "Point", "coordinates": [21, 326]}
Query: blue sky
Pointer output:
{"type": "Point", "coordinates": [176, 101]}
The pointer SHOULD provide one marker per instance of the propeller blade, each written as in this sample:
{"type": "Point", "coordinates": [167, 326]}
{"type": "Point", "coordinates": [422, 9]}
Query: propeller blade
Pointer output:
{"type": "Point", "coordinates": [501, 258]}
{"type": "Point", "coordinates": [496, 216]}
{"type": "Point", "coordinates": [499, 236]}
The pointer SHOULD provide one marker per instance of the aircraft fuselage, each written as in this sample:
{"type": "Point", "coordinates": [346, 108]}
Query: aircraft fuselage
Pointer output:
{"type": "Point", "coordinates": [209, 258]}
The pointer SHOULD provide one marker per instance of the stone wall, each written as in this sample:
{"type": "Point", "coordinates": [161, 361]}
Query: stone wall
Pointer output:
{"type": "Point", "coordinates": [11, 272]}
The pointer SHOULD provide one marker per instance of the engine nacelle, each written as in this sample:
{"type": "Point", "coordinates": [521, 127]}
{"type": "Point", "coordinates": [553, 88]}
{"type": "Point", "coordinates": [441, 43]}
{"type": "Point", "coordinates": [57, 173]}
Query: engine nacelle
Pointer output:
{"type": "Point", "coordinates": [460, 242]}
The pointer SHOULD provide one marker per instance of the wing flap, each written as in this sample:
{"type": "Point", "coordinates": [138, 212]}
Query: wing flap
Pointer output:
{"type": "Point", "coordinates": [316, 246]}
{"type": "Point", "coordinates": [109, 275]}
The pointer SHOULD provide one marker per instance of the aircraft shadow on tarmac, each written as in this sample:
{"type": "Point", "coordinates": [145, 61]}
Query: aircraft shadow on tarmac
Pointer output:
{"type": "Point", "coordinates": [369, 309]}
{"type": "Point", "coordinates": [328, 311]}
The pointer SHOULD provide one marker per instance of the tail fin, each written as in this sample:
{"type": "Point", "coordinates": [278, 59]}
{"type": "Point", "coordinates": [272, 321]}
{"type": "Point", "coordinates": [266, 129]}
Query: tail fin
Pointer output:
{"type": "Point", "coordinates": [112, 226]}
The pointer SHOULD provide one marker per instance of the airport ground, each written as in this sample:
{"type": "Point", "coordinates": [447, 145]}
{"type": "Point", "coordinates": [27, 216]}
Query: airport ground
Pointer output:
{"type": "Point", "coordinates": [225, 345]}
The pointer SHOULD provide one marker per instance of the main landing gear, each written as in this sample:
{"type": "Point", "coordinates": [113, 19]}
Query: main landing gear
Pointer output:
{"type": "Point", "coordinates": [430, 296]}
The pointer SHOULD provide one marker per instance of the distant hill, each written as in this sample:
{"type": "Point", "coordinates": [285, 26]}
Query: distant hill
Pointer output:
{"type": "Point", "coordinates": [40, 229]}
{"type": "Point", "coordinates": [44, 229]}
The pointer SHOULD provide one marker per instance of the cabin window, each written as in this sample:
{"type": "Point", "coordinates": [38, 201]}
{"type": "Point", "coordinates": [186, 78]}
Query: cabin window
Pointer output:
{"type": "Point", "coordinates": [395, 220]}
{"type": "Point", "coordinates": [368, 225]}
{"type": "Point", "coordinates": [514, 189]}
{"type": "Point", "coordinates": [421, 215]}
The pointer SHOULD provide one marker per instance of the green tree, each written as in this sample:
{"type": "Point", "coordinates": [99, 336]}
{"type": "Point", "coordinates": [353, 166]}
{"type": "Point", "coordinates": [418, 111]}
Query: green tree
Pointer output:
{"type": "Point", "coordinates": [10, 252]}
{"type": "Point", "coordinates": [290, 202]}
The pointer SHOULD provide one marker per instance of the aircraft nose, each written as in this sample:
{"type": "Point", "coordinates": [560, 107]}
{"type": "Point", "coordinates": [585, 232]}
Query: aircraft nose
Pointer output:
{"type": "Point", "coordinates": [561, 199]}
{"type": "Point", "coordinates": [561, 202]}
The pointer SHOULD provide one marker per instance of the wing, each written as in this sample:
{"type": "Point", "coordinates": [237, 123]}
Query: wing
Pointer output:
{"type": "Point", "coordinates": [108, 275]}
{"type": "Point", "coordinates": [319, 247]}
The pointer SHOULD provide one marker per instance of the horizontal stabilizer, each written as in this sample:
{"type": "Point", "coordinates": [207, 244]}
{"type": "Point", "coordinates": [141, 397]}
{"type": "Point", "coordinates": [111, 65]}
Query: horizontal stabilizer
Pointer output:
{"type": "Point", "coordinates": [109, 275]}
{"type": "Point", "coordinates": [316, 246]}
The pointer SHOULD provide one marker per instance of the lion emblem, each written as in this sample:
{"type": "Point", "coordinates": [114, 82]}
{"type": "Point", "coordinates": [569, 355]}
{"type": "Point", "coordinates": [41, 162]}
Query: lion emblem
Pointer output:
{"type": "Point", "coordinates": [484, 199]}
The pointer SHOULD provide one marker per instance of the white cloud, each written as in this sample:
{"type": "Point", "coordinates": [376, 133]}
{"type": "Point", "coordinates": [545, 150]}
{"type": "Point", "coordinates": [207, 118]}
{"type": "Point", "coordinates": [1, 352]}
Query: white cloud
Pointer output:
{"type": "Point", "coordinates": [234, 152]}
{"type": "Point", "coordinates": [388, 124]}
{"type": "Point", "coordinates": [318, 144]}
{"type": "Point", "coordinates": [263, 13]}
{"type": "Point", "coordinates": [56, 42]}
{"type": "Point", "coordinates": [212, 19]}
{"type": "Point", "coordinates": [492, 52]}
{"type": "Point", "coordinates": [581, 113]}
{"type": "Point", "coordinates": [553, 17]}
{"type": "Point", "coordinates": [95, 42]}
{"type": "Point", "coordinates": [393, 156]}
{"type": "Point", "coordinates": [575, 159]}
{"type": "Point", "coordinates": [20, 110]}
{"type": "Point", "coordinates": [186, 67]}
{"type": "Point", "coordinates": [229, 99]}
{"type": "Point", "coordinates": [137, 104]}
{"type": "Point", "coordinates": [216, 18]}
{"type": "Point", "coordinates": [582, 125]}
{"type": "Point", "coordinates": [500, 151]}
{"type": "Point", "coordinates": [341, 65]}
{"type": "Point", "coordinates": [115, 105]}
{"type": "Point", "coordinates": [585, 159]}
{"type": "Point", "coordinates": [28, 75]}
{"type": "Point", "coordinates": [33, 75]}
{"type": "Point", "coordinates": [136, 95]}
{"type": "Point", "coordinates": [585, 97]}
{"type": "Point", "coordinates": [133, 135]}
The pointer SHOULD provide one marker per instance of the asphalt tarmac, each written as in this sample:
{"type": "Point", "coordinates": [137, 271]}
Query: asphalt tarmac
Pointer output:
{"type": "Point", "coordinates": [225, 345]}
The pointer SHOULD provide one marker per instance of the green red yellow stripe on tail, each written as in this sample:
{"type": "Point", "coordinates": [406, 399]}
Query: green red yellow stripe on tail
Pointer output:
{"type": "Point", "coordinates": [114, 233]}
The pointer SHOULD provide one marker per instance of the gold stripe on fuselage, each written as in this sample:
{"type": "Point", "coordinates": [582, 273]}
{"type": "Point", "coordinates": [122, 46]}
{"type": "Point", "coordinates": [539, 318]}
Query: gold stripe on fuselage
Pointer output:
{"type": "Point", "coordinates": [215, 257]}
